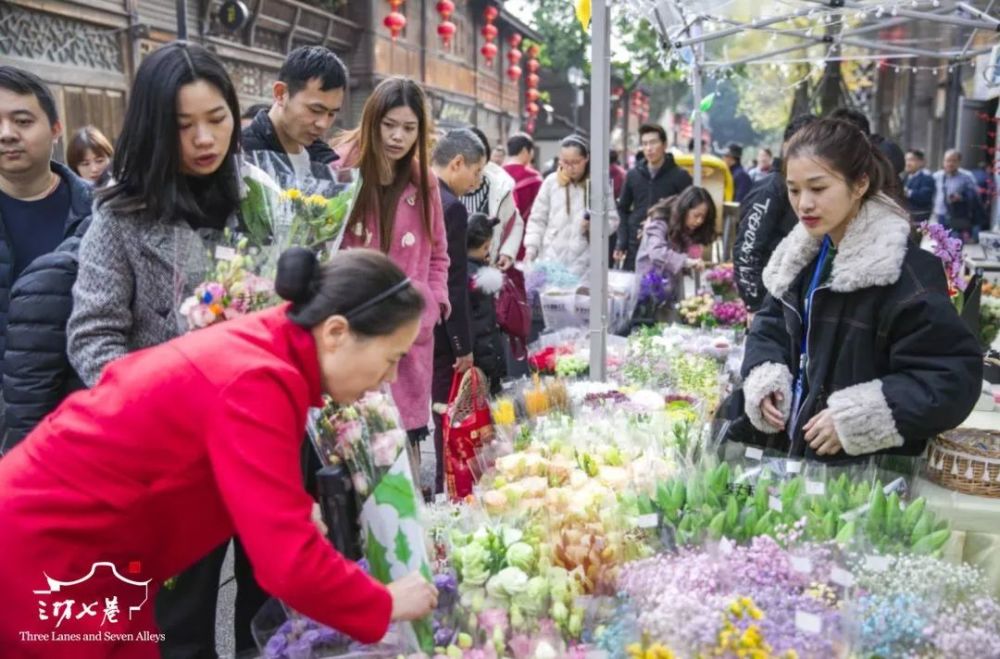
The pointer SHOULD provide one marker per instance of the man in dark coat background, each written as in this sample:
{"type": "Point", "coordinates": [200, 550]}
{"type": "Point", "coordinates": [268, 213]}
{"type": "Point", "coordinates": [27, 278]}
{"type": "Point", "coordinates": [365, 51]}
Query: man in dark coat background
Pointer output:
{"type": "Point", "coordinates": [458, 161]}
{"type": "Point", "coordinates": [656, 178]}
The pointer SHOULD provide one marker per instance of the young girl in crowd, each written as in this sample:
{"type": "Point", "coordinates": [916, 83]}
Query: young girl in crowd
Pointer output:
{"type": "Point", "coordinates": [858, 349]}
{"type": "Point", "coordinates": [398, 211]}
{"type": "Point", "coordinates": [484, 283]}
{"type": "Point", "coordinates": [177, 178]}
{"type": "Point", "coordinates": [676, 232]}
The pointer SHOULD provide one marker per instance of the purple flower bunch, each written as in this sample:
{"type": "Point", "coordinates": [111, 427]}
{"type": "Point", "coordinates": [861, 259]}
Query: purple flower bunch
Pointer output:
{"type": "Point", "coordinates": [654, 288]}
{"type": "Point", "coordinates": [722, 279]}
{"type": "Point", "coordinates": [680, 598]}
{"type": "Point", "coordinates": [730, 314]}
{"type": "Point", "coordinates": [948, 248]}
{"type": "Point", "coordinates": [302, 638]}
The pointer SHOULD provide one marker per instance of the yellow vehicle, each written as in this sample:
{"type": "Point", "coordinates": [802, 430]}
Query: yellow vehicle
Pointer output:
{"type": "Point", "coordinates": [715, 177]}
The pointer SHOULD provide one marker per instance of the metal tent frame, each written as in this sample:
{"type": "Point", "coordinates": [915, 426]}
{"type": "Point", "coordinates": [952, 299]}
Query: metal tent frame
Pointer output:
{"type": "Point", "coordinates": [685, 29]}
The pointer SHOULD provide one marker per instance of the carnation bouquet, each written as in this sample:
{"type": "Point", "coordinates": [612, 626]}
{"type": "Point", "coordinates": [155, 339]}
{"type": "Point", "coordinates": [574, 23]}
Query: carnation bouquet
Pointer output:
{"type": "Point", "coordinates": [369, 439]}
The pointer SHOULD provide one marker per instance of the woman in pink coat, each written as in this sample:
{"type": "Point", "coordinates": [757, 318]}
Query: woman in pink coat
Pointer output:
{"type": "Point", "coordinates": [398, 211]}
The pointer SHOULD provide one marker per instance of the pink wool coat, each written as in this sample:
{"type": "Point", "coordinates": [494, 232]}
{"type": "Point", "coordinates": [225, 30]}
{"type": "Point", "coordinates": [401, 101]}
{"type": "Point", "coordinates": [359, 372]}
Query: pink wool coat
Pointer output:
{"type": "Point", "coordinates": [425, 261]}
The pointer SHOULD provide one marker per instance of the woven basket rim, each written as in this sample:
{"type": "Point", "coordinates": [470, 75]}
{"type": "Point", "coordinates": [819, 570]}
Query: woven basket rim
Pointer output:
{"type": "Point", "coordinates": [945, 441]}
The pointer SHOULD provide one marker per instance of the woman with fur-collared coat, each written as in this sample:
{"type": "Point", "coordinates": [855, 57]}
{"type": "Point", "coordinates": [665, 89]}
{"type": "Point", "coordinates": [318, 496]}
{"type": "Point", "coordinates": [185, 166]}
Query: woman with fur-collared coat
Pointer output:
{"type": "Point", "coordinates": [858, 349]}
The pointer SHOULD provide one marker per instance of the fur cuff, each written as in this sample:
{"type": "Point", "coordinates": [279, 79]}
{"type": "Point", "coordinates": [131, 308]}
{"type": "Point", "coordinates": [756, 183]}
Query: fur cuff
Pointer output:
{"type": "Point", "coordinates": [764, 380]}
{"type": "Point", "coordinates": [863, 419]}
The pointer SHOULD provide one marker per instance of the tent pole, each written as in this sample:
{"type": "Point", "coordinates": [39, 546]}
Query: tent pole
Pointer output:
{"type": "Point", "coordinates": [600, 198]}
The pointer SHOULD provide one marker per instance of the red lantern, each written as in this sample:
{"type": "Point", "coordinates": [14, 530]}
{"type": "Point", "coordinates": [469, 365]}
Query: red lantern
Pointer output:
{"type": "Point", "coordinates": [445, 8]}
{"type": "Point", "coordinates": [489, 32]}
{"type": "Point", "coordinates": [533, 66]}
{"type": "Point", "coordinates": [530, 126]}
{"type": "Point", "coordinates": [533, 109]}
{"type": "Point", "coordinates": [490, 13]}
{"type": "Point", "coordinates": [513, 56]}
{"type": "Point", "coordinates": [533, 79]}
{"type": "Point", "coordinates": [489, 52]}
{"type": "Point", "coordinates": [514, 72]}
{"type": "Point", "coordinates": [619, 112]}
{"type": "Point", "coordinates": [446, 31]}
{"type": "Point", "coordinates": [533, 51]}
{"type": "Point", "coordinates": [532, 94]}
{"type": "Point", "coordinates": [514, 40]}
{"type": "Point", "coordinates": [395, 22]}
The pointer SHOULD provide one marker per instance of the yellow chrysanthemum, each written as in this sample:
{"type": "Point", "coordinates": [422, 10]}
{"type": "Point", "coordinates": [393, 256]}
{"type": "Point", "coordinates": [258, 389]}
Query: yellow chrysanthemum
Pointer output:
{"type": "Point", "coordinates": [294, 194]}
{"type": "Point", "coordinates": [316, 200]}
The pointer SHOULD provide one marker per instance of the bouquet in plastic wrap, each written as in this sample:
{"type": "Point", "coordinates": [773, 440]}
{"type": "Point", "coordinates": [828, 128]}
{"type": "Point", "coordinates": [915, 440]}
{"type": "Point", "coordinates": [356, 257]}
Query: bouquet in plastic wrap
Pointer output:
{"type": "Point", "coordinates": [304, 211]}
{"type": "Point", "coordinates": [369, 439]}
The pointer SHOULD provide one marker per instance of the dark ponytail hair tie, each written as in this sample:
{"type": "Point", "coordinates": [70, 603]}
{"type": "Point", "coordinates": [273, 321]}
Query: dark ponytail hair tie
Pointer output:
{"type": "Point", "coordinates": [381, 297]}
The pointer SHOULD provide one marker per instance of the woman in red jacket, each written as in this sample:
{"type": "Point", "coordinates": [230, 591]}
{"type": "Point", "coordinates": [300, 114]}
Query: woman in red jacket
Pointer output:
{"type": "Point", "coordinates": [182, 445]}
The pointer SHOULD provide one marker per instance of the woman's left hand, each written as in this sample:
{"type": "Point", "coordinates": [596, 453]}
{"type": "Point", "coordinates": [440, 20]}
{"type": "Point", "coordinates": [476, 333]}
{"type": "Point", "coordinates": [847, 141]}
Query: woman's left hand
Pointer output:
{"type": "Point", "coordinates": [821, 434]}
{"type": "Point", "coordinates": [317, 518]}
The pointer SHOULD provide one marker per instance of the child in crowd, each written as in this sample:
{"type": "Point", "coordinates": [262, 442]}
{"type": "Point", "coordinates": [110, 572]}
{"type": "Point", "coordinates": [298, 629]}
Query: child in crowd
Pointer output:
{"type": "Point", "coordinates": [484, 283]}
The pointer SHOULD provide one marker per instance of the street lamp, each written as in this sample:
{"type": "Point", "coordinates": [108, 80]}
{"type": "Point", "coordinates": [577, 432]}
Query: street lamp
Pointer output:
{"type": "Point", "coordinates": [577, 81]}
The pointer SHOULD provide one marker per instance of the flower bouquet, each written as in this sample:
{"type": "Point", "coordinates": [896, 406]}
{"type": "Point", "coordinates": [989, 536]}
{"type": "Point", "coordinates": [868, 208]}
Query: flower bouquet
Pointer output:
{"type": "Point", "coordinates": [310, 211]}
{"type": "Point", "coordinates": [722, 281]}
{"type": "Point", "coordinates": [949, 249]}
{"type": "Point", "coordinates": [369, 439]}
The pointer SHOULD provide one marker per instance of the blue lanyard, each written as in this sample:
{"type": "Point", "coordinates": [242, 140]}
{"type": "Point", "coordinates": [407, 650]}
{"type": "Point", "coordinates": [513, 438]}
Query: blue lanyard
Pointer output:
{"type": "Point", "coordinates": [800, 377]}
{"type": "Point", "coordinates": [813, 285]}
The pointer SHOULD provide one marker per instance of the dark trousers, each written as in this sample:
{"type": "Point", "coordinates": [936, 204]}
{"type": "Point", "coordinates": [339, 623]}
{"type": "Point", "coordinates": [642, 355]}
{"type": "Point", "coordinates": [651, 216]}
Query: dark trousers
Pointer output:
{"type": "Point", "coordinates": [185, 613]}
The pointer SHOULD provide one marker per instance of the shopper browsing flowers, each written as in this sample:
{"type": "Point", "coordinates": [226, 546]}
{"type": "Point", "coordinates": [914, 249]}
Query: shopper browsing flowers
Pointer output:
{"type": "Point", "coordinates": [858, 350]}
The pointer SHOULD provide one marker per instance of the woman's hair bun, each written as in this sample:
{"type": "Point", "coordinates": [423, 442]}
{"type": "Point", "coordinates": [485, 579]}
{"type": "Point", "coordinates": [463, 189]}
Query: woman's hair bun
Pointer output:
{"type": "Point", "coordinates": [297, 269]}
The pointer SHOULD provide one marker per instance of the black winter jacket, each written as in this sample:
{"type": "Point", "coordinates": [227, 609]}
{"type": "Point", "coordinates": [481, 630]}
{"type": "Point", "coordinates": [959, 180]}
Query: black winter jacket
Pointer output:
{"type": "Point", "coordinates": [453, 336]}
{"type": "Point", "coordinates": [80, 201]}
{"type": "Point", "coordinates": [487, 344]}
{"type": "Point", "coordinates": [766, 217]}
{"type": "Point", "coordinates": [259, 138]}
{"type": "Point", "coordinates": [888, 354]}
{"type": "Point", "coordinates": [640, 192]}
{"type": "Point", "coordinates": [37, 375]}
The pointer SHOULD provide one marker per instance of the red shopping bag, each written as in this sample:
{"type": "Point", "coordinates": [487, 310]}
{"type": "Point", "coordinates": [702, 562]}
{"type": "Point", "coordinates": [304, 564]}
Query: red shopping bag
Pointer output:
{"type": "Point", "coordinates": [467, 425]}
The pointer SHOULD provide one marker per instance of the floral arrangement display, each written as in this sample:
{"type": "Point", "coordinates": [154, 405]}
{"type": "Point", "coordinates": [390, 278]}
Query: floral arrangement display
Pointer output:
{"type": "Point", "coordinates": [369, 439]}
{"type": "Point", "coordinates": [231, 287]}
{"type": "Point", "coordinates": [717, 306]}
{"type": "Point", "coordinates": [948, 248]}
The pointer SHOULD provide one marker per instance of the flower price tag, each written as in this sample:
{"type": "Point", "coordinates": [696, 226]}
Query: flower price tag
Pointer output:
{"type": "Point", "coordinates": [802, 564]}
{"type": "Point", "coordinates": [754, 453]}
{"type": "Point", "coordinates": [877, 563]}
{"type": "Point", "coordinates": [794, 466]}
{"type": "Point", "coordinates": [810, 623]}
{"type": "Point", "coordinates": [841, 577]}
{"type": "Point", "coordinates": [774, 503]}
{"type": "Point", "coordinates": [650, 521]}
{"type": "Point", "coordinates": [816, 488]}
{"type": "Point", "coordinates": [224, 253]}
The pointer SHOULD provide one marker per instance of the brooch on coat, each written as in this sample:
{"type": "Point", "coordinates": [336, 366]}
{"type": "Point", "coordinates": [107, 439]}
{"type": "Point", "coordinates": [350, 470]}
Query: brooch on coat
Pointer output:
{"type": "Point", "coordinates": [409, 240]}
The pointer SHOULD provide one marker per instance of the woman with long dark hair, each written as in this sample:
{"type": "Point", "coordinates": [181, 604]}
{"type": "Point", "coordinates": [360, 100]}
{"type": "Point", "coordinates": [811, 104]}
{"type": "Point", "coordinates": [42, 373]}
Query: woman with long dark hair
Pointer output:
{"type": "Point", "coordinates": [858, 350]}
{"type": "Point", "coordinates": [398, 211]}
{"type": "Point", "coordinates": [177, 180]}
{"type": "Point", "coordinates": [178, 447]}
{"type": "Point", "coordinates": [677, 231]}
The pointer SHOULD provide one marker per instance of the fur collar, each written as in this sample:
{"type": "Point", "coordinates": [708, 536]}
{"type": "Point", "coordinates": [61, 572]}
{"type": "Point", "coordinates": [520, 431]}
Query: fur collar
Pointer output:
{"type": "Point", "coordinates": [871, 253]}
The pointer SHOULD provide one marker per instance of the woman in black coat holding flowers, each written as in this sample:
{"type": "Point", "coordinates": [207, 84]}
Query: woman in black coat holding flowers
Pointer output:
{"type": "Point", "coordinates": [858, 349]}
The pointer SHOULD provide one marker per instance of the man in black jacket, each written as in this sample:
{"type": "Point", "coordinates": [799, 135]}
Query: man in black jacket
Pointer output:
{"type": "Point", "coordinates": [658, 177]}
{"type": "Point", "coordinates": [766, 217]}
{"type": "Point", "coordinates": [308, 95]}
{"type": "Point", "coordinates": [458, 161]}
{"type": "Point", "coordinates": [41, 201]}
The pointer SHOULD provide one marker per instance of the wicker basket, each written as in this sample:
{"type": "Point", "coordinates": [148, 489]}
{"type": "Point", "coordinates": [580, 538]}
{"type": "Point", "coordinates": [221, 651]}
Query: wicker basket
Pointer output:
{"type": "Point", "coordinates": [966, 461]}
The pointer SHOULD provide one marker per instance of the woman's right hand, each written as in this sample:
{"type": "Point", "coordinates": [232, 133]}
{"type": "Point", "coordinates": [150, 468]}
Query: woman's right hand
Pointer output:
{"type": "Point", "coordinates": [770, 410]}
{"type": "Point", "coordinates": [412, 597]}
{"type": "Point", "coordinates": [695, 264]}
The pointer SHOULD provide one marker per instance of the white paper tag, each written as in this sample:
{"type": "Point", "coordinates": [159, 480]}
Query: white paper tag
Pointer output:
{"type": "Point", "coordinates": [649, 521]}
{"type": "Point", "coordinates": [802, 564]}
{"type": "Point", "coordinates": [841, 577]}
{"type": "Point", "coordinates": [224, 253]}
{"type": "Point", "coordinates": [816, 488]}
{"type": "Point", "coordinates": [808, 622]}
{"type": "Point", "coordinates": [877, 563]}
{"type": "Point", "coordinates": [897, 485]}
{"type": "Point", "coordinates": [726, 546]}
{"type": "Point", "coordinates": [794, 467]}
{"type": "Point", "coordinates": [774, 503]}
{"type": "Point", "coordinates": [441, 497]}
{"type": "Point", "coordinates": [754, 453]}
